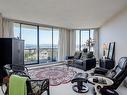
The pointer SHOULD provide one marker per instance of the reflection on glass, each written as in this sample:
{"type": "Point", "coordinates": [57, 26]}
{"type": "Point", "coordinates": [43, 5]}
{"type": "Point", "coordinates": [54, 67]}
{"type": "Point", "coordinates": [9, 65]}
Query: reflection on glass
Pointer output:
{"type": "Point", "coordinates": [29, 34]}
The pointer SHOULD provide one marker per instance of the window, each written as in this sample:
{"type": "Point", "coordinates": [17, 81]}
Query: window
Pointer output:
{"type": "Point", "coordinates": [45, 44]}
{"type": "Point", "coordinates": [41, 43]}
{"type": "Point", "coordinates": [29, 34]}
{"type": "Point", "coordinates": [83, 38]}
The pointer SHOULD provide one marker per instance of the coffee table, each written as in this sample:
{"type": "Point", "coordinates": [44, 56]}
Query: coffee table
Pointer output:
{"type": "Point", "coordinates": [68, 62]}
{"type": "Point", "coordinates": [102, 81]}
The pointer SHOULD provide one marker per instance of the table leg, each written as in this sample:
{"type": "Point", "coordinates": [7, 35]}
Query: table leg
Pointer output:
{"type": "Point", "coordinates": [97, 89]}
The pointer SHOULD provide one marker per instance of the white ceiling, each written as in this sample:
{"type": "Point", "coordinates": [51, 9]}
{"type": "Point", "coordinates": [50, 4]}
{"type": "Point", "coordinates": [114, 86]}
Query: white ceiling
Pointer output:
{"type": "Point", "coordinates": [63, 13]}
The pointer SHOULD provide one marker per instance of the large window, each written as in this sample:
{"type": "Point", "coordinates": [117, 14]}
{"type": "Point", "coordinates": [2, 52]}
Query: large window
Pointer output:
{"type": "Point", "coordinates": [41, 44]}
{"type": "Point", "coordinates": [83, 38]}
{"type": "Point", "coordinates": [29, 34]}
{"type": "Point", "coordinates": [45, 44]}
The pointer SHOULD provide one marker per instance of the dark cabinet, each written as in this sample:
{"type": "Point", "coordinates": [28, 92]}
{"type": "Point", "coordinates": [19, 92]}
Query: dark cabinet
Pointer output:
{"type": "Point", "coordinates": [11, 51]}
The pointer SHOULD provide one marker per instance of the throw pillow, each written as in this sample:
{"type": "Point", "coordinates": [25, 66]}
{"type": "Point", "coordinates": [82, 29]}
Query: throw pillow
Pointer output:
{"type": "Point", "coordinates": [84, 56]}
{"type": "Point", "coordinates": [77, 55]}
{"type": "Point", "coordinates": [90, 55]}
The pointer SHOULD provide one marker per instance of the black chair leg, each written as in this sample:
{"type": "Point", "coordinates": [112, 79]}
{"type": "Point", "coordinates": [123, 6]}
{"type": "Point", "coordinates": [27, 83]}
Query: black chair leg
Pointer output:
{"type": "Point", "coordinates": [48, 92]}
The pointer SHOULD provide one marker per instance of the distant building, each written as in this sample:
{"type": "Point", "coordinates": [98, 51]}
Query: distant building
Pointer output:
{"type": "Point", "coordinates": [43, 54]}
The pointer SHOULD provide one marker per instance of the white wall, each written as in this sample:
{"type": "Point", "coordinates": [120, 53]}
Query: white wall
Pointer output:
{"type": "Point", "coordinates": [115, 30]}
{"type": "Point", "coordinates": [1, 25]}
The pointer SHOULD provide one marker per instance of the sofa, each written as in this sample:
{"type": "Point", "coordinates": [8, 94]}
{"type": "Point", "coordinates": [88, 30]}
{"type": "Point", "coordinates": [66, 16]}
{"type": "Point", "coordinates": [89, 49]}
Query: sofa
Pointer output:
{"type": "Point", "coordinates": [86, 61]}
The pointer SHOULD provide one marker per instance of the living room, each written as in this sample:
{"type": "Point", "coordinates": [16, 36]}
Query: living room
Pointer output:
{"type": "Point", "coordinates": [53, 30]}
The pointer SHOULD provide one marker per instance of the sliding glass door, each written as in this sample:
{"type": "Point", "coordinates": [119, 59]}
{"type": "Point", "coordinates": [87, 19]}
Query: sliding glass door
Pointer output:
{"type": "Point", "coordinates": [41, 43]}
{"type": "Point", "coordinates": [45, 44]}
{"type": "Point", "coordinates": [84, 39]}
{"type": "Point", "coordinates": [29, 34]}
{"type": "Point", "coordinates": [48, 44]}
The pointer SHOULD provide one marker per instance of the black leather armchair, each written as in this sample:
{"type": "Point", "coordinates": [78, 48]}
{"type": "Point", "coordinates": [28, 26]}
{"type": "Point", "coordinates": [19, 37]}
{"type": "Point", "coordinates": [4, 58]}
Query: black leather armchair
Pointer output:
{"type": "Point", "coordinates": [85, 63]}
{"type": "Point", "coordinates": [77, 55]}
{"type": "Point", "coordinates": [117, 75]}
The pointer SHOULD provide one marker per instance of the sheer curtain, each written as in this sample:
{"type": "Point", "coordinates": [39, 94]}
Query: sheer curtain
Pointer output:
{"type": "Point", "coordinates": [63, 44]}
{"type": "Point", "coordinates": [7, 28]}
{"type": "Point", "coordinates": [96, 46]}
{"type": "Point", "coordinates": [72, 42]}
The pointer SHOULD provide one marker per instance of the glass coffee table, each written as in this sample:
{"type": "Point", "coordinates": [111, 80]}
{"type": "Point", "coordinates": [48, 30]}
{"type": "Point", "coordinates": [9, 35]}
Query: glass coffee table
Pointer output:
{"type": "Point", "coordinates": [69, 62]}
{"type": "Point", "coordinates": [100, 82]}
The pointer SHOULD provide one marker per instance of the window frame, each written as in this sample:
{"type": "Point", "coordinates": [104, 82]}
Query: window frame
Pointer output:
{"type": "Point", "coordinates": [80, 33]}
{"type": "Point", "coordinates": [38, 30]}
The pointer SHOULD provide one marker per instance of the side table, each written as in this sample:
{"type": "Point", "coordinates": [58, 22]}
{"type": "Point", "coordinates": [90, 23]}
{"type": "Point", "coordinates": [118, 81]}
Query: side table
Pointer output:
{"type": "Point", "coordinates": [69, 62]}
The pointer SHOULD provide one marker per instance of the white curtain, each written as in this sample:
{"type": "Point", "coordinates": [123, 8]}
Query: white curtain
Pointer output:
{"type": "Point", "coordinates": [0, 25]}
{"type": "Point", "coordinates": [72, 42]}
{"type": "Point", "coordinates": [7, 28]}
{"type": "Point", "coordinates": [96, 46]}
{"type": "Point", "coordinates": [63, 44]}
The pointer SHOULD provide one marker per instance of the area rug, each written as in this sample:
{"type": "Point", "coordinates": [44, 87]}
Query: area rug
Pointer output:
{"type": "Point", "coordinates": [56, 75]}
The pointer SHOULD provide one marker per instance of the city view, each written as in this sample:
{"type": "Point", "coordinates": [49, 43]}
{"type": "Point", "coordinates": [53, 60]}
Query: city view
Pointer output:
{"type": "Point", "coordinates": [45, 53]}
{"type": "Point", "coordinates": [41, 45]}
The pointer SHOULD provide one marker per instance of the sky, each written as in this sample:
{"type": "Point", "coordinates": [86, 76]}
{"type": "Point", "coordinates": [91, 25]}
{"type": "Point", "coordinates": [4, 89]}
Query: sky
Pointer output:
{"type": "Point", "coordinates": [30, 35]}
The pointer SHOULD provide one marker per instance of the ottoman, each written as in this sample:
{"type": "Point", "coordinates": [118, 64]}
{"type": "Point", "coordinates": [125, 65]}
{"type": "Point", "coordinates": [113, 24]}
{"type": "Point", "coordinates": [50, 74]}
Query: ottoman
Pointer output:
{"type": "Point", "coordinates": [80, 79]}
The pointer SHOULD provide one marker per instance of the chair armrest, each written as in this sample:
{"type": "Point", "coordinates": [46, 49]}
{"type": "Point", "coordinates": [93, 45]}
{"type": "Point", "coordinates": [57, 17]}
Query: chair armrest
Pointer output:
{"type": "Point", "coordinates": [101, 71]}
{"type": "Point", "coordinates": [89, 63]}
{"type": "Point", "coordinates": [43, 84]}
{"type": "Point", "coordinates": [69, 57]}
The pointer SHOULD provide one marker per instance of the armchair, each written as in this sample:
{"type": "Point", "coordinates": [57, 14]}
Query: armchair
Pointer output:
{"type": "Point", "coordinates": [77, 55]}
{"type": "Point", "coordinates": [117, 76]}
{"type": "Point", "coordinates": [34, 87]}
{"type": "Point", "coordinates": [86, 62]}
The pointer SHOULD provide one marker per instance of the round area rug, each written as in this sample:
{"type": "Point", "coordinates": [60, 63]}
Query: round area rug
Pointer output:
{"type": "Point", "coordinates": [56, 75]}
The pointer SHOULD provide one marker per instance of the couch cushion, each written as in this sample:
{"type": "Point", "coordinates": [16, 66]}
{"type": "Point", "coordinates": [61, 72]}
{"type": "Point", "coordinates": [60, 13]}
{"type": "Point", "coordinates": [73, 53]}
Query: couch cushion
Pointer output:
{"type": "Point", "coordinates": [83, 56]}
{"type": "Point", "coordinates": [89, 54]}
{"type": "Point", "coordinates": [79, 62]}
{"type": "Point", "coordinates": [77, 55]}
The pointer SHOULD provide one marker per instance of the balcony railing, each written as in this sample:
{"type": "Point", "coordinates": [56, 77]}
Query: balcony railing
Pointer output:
{"type": "Point", "coordinates": [45, 55]}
